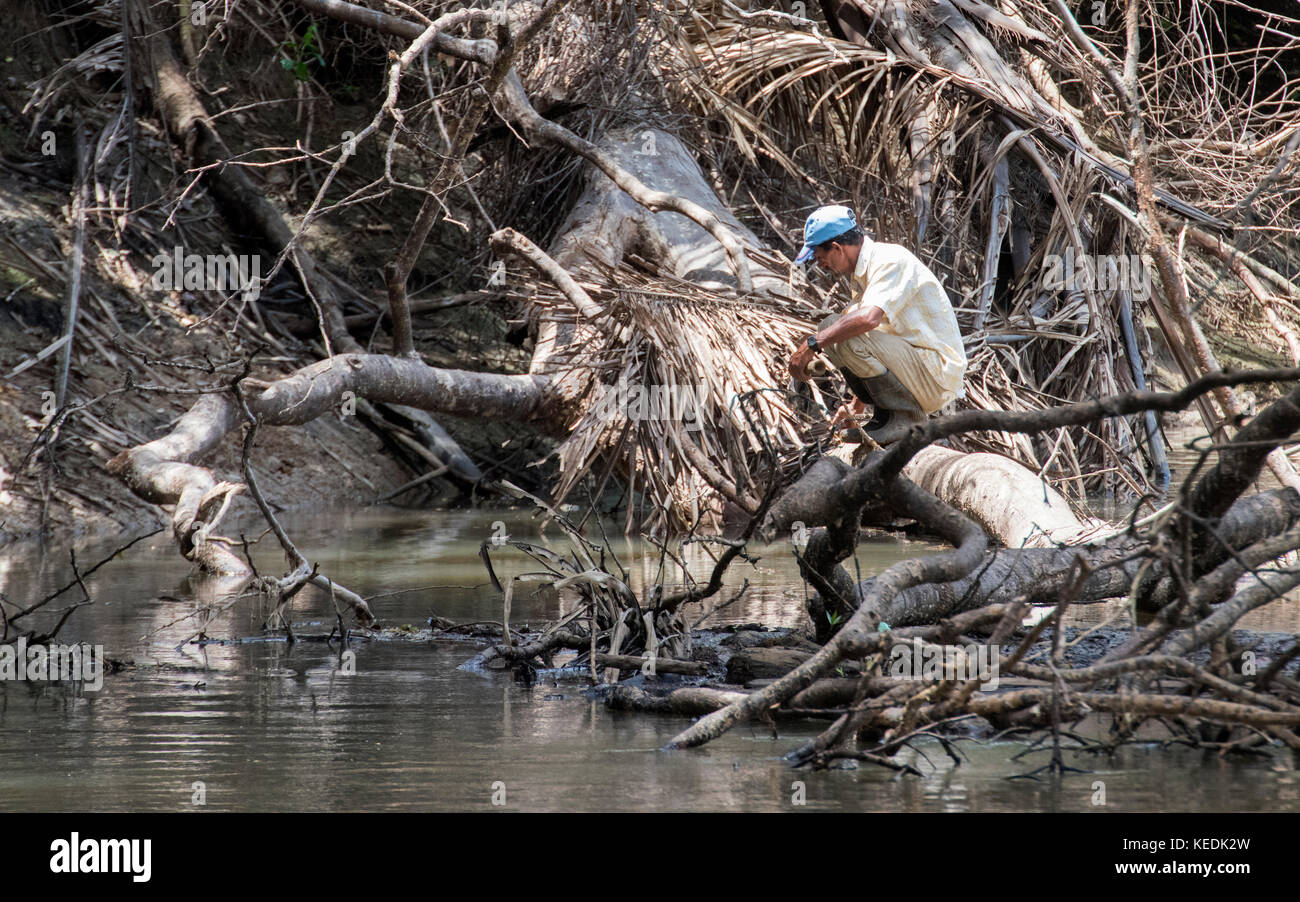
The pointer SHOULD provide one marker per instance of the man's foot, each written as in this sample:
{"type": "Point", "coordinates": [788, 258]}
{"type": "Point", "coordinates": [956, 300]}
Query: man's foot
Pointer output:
{"type": "Point", "coordinates": [858, 388]}
{"type": "Point", "coordinates": [899, 422]}
{"type": "Point", "coordinates": [896, 404]}
{"type": "Point", "coordinates": [879, 417]}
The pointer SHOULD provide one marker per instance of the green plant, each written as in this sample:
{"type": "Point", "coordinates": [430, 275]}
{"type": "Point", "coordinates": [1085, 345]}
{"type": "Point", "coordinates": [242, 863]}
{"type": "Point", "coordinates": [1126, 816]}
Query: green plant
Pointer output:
{"type": "Point", "coordinates": [295, 55]}
{"type": "Point", "coordinates": [834, 618]}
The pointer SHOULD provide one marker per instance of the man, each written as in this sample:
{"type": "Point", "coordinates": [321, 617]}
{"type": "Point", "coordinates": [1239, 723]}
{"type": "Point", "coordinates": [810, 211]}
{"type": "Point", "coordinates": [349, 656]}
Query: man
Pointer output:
{"type": "Point", "coordinates": [898, 344]}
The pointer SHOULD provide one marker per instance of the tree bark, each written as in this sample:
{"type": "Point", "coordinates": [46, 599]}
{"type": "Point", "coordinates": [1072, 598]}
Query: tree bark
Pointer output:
{"type": "Point", "coordinates": [165, 471]}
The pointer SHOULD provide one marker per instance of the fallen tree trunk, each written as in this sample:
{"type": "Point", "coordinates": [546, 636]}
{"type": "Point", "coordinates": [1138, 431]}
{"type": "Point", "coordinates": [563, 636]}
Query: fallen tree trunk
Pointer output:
{"type": "Point", "coordinates": [165, 471]}
{"type": "Point", "coordinates": [1009, 502]}
{"type": "Point", "coordinates": [1039, 576]}
{"type": "Point", "coordinates": [692, 701]}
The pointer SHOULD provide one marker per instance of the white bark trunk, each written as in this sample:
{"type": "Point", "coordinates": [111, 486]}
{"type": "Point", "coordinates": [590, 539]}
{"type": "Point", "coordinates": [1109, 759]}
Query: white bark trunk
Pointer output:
{"type": "Point", "coordinates": [1012, 505]}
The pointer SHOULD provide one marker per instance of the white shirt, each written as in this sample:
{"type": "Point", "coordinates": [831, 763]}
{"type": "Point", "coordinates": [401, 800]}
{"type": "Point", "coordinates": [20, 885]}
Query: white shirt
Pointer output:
{"type": "Point", "coordinates": [915, 305]}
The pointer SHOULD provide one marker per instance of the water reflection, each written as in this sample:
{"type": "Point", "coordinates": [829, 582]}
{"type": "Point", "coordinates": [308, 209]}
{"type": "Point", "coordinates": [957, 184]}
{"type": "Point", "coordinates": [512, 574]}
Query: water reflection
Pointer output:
{"type": "Point", "coordinates": [268, 726]}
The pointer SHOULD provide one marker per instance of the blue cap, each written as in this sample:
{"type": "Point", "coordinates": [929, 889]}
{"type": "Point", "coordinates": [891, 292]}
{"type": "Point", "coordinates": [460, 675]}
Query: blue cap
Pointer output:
{"type": "Point", "coordinates": [824, 224]}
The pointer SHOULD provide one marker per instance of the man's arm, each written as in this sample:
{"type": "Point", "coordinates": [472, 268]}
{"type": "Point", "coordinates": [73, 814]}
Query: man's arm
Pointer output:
{"type": "Point", "coordinates": [851, 325]}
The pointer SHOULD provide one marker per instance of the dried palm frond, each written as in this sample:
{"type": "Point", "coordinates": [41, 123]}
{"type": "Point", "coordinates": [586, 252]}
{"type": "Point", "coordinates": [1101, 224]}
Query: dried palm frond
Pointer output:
{"type": "Point", "coordinates": [679, 363]}
{"type": "Point", "coordinates": [104, 56]}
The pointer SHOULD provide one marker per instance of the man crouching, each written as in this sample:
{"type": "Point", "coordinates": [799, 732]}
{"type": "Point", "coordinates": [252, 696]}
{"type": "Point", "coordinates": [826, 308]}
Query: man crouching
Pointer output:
{"type": "Point", "coordinates": [898, 346]}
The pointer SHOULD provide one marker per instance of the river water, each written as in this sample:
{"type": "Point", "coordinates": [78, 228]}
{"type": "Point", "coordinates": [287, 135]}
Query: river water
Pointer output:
{"type": "Point", "coordinates": [262, 725]}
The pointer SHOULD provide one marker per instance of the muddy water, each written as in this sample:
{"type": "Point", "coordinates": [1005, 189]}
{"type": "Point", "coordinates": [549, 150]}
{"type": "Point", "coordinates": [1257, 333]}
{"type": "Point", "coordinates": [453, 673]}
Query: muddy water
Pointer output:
{"type": "Point", "coordinates": [263, 725]}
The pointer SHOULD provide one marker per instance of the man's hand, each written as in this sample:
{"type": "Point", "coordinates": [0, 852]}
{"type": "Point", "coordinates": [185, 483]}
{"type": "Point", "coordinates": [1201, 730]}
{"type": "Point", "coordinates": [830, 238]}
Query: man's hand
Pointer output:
{"type": "Point", "coordinates": [799, 361]}
{"type": "Point", "coordinates": [847, 415]}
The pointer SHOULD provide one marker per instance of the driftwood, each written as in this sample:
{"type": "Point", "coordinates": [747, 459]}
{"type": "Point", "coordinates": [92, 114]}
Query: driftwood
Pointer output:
{"type": "Point", "coordinates": [1211, 497]}
{"type": "Point", "coordinates": [760, 663]}
{"type": "Point", "coordinates": [659, 665]}
{"type": "Point", "coordinates": [690, 702]}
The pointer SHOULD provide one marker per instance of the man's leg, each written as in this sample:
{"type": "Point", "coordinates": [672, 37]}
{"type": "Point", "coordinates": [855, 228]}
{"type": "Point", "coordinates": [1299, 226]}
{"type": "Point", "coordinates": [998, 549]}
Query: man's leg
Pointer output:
{"type": "Point", "coordinates": [904, 410]}
{"type": "Point", "coordinates": [895, 376]}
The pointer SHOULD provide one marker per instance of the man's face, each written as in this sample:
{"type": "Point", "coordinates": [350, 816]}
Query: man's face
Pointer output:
{"type": "Point", "coordinates": [837, 259]}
